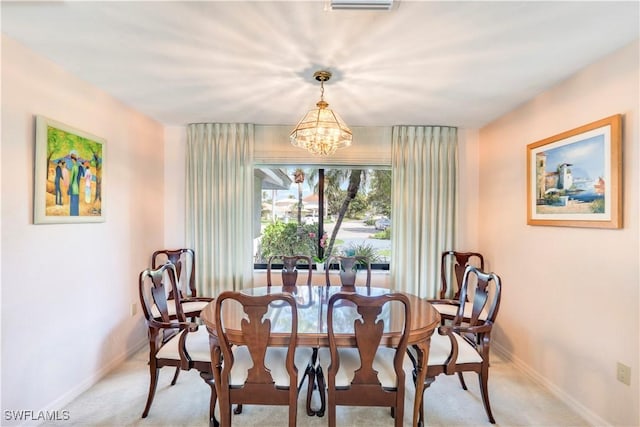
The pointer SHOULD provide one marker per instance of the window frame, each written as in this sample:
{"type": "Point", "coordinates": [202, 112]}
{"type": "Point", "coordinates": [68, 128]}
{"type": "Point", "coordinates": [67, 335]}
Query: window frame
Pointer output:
{"type": "Point", "coordinates": [321, 214]}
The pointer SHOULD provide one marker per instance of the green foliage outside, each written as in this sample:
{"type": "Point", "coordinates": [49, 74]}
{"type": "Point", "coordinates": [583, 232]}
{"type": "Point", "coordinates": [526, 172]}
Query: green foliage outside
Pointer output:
{"type": "Point", "coordinates": [282, 238]}
{"type": "Point", "coordinates": [357, 207]}
{"type": "Point", "coordinates": [383, 235]}
{"type": "Point", "coordinates": [334, 197]}
{"type": "Point", "coordinates": [384, 254]}
{"type": "Point", "coordinates": [380, 195]}
{"type": "Point", "coordinates": [362, 249]}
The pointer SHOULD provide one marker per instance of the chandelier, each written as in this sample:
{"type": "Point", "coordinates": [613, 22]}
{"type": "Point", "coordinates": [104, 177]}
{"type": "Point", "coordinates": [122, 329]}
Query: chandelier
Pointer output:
{"type": "Point", "coordinates": [321, 131]}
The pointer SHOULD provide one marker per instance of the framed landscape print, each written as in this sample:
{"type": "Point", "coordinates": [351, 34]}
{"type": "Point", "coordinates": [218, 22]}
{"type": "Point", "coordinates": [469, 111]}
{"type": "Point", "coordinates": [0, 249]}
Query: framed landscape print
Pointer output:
{"type": "Point", "coordinates": [69, 174]}
{"type": "Point", "coordinates": [574, 178]}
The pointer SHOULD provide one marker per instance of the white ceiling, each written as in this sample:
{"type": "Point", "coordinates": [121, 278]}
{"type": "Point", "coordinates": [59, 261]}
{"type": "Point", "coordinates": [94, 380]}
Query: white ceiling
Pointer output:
{"type": "Point", "coordinates": [424, 62]}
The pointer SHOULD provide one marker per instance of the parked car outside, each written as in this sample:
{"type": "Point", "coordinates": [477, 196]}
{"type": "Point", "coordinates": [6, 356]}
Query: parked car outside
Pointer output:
{"type": "Point", "coordinates": [310, 219]}
{"type": "Point", "coordinates": [382, 223]}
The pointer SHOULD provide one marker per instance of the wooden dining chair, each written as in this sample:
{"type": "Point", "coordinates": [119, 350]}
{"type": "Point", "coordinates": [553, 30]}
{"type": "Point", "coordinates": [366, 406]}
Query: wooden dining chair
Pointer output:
{"type": "Point", "coordinates": [346, 268]}
{"type": "Point", "coordinates": [452, 268]}
{"type": "Point", "coordinates": [342, 270]}
{"type": "Point", "coordinates": [185, 262]}
{"type": "Point", "coordinates": [259, 372]}
{"type": "Point", "coordinates": [289, 272]}
{"type": "Point", "coordinates": [464, 346]}
{"type": "Point", "coordinates": [368, 374]}
{"type": "Point", "coordinates": [173, 341]}
{"type": "Point", "coordinates": [289, 276]}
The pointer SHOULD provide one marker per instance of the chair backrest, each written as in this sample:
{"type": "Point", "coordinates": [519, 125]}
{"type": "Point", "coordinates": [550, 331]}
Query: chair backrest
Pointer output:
{"type": "Point", "coordinates": [367, 388]}
{"type": "Point", "coordinates": [486, 297]}
{"type": "Point", "coordinates": [452, 267]}
{"type": "Point", "coordinates": [259, 386]}
{"type": "Point", "coordinates": [289, 272]}
{"type": "Point", "coordinates": [154, 286]}
{"type": "Point", "coordinates": [347, 268]}
{"type": "Point", "coordinates": [185, 265]}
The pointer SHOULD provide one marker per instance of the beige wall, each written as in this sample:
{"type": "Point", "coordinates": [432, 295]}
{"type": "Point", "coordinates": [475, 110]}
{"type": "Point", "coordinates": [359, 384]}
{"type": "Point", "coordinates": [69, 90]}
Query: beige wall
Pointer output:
{"type": "Point", "coordinates": [67, 288]}
{"type": "Point", "coordinates": [571, 299]}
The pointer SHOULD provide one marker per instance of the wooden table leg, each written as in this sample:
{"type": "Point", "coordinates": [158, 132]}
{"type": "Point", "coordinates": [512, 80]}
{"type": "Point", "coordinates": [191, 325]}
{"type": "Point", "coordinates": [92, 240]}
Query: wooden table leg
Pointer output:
{"type": "Point", "coordinates": [423, 356]}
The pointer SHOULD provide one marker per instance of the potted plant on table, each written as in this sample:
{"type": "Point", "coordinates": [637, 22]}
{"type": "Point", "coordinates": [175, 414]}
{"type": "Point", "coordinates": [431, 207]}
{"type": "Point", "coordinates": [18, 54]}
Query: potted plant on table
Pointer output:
{"type": "Point", "coordinates": [319, 263]}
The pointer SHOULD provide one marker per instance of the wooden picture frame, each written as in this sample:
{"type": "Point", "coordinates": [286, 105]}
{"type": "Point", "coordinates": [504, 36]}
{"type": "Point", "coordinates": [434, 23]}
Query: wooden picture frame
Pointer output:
{"type": "Point", "coordinates": [574, 179]}
{"type": "Point", "coordinates": [69, 174]}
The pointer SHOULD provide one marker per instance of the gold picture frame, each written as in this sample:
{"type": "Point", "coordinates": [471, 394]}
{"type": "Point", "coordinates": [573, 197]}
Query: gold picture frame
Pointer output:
{"type": "Point", "coordinates": [574, 179]}
{"type": "Point", "coordinates": [69, 174]}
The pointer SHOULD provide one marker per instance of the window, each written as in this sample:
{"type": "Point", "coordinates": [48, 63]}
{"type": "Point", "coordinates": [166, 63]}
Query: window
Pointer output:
{"type": "Point", "coordinates": [316, 211]}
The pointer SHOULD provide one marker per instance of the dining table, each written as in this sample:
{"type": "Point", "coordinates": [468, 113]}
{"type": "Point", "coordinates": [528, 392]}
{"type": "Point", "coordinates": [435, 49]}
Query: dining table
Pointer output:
{"type": "Point", "coordinates": [311, 305]}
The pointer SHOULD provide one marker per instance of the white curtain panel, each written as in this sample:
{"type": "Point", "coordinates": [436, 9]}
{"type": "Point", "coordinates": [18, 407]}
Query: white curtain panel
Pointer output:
{"type": "Point", "coordinates": [219, 207]}
{"type": "Point", "coordinates": [424, 204]}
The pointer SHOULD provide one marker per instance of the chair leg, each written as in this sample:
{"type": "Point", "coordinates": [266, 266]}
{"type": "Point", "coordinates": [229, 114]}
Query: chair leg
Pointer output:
{"type": "Point", "coordinates": [322, 390]}
{"type": "Point", "coordinates": [462, 383]}
{"type": "Point", "coordinates": [332, 409]}
{"type": "Point", "coordinates": [483, 378]}
{"type": "Point", "coordinates": [398, 414]}
{"type": "Point", "coordinates": [421, 416]}
{"type": "Point", "coordinates": [428, 381]}
{"type": "Point", "coordinates": [293, 409]}
{"type": "Point", "coordinates": [175, 376]}
{"type": "Point", "coordinates": [238, 409]}
{"type": "Point", "coordinates": [208, 378]}
{"type": "Point", "coordinates": [153, 383]}
{"type": "Point", "coordinates": [225, 409]}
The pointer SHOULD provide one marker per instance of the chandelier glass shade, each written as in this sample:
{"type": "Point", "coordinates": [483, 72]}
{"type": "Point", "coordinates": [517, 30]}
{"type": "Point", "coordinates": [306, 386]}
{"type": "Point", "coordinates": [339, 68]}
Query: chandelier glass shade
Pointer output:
{"type": "Point", "coordinates": [321, 131]}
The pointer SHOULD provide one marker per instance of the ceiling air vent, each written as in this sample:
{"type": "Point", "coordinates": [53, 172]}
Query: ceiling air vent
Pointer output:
{"type": "Point", "coordinates": [361, 4]}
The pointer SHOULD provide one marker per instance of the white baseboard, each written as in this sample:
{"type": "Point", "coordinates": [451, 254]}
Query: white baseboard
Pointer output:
{"type": "Point", "coordinates": [592, 418]}
{"type": "Point", "coordinates": [76, 391]}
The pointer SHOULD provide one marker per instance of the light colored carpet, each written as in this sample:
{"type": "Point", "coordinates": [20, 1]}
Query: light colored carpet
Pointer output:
{"type": "Point", "coordinates": [119, 398]}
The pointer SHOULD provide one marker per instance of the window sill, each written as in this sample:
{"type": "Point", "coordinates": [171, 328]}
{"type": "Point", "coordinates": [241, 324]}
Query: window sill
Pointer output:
{"type": "Point", "coordinates": [379, 278]}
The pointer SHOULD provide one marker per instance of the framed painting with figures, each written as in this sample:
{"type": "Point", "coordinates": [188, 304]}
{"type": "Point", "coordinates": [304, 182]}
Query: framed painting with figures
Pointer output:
{"type": "Point", "coordinates": [69, 174]}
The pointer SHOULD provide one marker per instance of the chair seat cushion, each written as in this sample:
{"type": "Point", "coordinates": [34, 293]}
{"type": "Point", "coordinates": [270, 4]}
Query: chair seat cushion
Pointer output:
{"type": "Point", "coordinates": [187, 307]}
{"type": "Point", "coordinates": [441, 348]}
{"type": "Point", "coordinates": [350, 362]}
{"type": "Point", "coordinates": [275, 359]}
{"type": "Point", "coordinates": [451, 310]}
{"type": "Point", "coordinates": [197, 345]}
